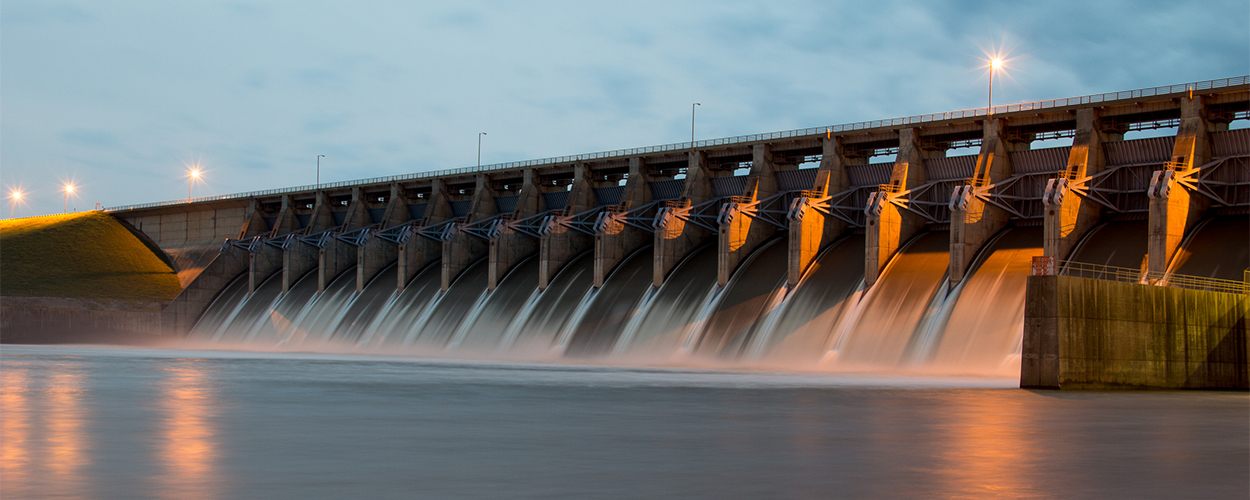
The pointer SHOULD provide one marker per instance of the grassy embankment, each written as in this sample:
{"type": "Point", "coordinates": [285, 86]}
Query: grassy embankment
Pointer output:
{"type": "Point", "coordinates": [87, 254]}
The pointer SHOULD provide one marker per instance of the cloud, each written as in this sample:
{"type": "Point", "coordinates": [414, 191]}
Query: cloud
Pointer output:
{"type": "Point", "coordinates": [19, 12]}
{"type": "Point", "coordinates": [406, 86]}
{"type": "Point", "coordinates": [99, 139]}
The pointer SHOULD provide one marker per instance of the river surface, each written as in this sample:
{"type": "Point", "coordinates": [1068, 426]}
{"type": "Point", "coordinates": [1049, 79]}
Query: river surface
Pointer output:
{"type": "Point", "coordinates": [99, 422]}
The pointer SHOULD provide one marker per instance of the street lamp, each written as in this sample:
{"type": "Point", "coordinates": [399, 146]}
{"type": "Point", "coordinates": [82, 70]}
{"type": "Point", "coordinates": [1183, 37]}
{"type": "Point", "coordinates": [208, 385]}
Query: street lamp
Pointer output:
{"type": "Point", "coordinates": [994, 65]}
{"type": "Point", "coordinates": [195, 176]}
{"type": "Point", "coordinates": [692, 124]}
{"type": "Point", "coordinates": [319, 170]}
{"type": "Point", "coordinates": [15, 197]}
{"type": "Point", "coordinates": [479, 149]}
{"type": "Point", "coordinates": [69, 189]}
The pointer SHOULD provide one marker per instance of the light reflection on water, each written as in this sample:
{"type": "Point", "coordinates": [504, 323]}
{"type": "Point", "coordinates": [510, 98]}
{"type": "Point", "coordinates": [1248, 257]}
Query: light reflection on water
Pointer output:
{"type": "Point", "coordinates": [189, 448]}
{"type": "Point", "coordinates": [64, 417]}
{"type": "Point", "coordinates": [986, 446]}
{"type": "Point", "coordinates": [14, 429]}
{"type": "Point", "coordinates": [131, 423]}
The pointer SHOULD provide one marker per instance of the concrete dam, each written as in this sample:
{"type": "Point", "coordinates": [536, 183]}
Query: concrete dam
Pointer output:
{"type": "Point", "coordinates": [870, 246]}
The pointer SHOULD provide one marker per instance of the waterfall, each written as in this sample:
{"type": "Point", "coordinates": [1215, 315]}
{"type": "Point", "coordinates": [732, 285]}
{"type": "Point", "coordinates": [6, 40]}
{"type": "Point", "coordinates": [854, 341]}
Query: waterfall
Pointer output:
{"type": "Point", "coordinates": [911, 319]}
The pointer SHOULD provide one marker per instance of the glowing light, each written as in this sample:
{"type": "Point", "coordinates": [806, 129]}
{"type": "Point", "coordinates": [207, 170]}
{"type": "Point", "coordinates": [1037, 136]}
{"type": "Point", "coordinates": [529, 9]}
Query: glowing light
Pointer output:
{"type": "Point", "coordinates": [195, 175]}
{"type": "Point", "coordinates": [16, 195]}
{"type": "Point", "coordinates": [68, 189]}
{"type": "Point", "coordinates": [996, 63]}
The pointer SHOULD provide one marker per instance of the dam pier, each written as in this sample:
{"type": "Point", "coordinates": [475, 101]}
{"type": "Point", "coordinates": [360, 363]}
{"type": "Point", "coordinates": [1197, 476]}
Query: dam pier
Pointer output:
{"type": "Point", "coordinates": [906, 242]}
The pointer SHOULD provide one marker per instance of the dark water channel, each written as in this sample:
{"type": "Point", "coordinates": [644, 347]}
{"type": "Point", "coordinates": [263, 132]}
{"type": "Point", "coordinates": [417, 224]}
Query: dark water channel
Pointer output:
{"type": "Point", "coordinates": [89, 422]}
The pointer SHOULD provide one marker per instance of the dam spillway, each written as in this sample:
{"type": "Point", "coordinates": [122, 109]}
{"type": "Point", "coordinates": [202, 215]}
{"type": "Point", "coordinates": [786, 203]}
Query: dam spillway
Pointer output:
{"type": "Point", "coordinates": [866, 246]}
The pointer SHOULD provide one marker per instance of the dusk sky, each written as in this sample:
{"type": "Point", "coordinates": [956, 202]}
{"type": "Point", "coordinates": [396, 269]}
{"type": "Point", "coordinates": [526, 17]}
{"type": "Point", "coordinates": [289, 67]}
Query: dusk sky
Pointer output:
{"type": "Point", "coordinates": [119, 96]}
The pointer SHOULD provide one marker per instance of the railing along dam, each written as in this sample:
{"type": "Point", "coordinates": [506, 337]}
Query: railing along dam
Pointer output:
{"type": "Point", "coordinates": [860, 245]}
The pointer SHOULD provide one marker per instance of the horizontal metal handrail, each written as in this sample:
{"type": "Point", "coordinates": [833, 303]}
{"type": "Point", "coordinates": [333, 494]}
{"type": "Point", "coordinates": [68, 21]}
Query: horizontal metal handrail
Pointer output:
{"type": "Point", "coordinates": [1130, 275]}
{"type": "Point", "coordinates": [813, 131]}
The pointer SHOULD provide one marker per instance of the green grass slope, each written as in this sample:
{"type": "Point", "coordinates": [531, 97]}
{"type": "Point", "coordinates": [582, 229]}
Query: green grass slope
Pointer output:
{"type": "Point", "coordinates": [88, 254]}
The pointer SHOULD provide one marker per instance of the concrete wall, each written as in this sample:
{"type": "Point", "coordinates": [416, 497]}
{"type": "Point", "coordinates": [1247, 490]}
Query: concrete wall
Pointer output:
{"type": "Point", "coordinates": [191, 238]}
{"type": "Point", "coordinates": [55, 320]}
{"type": "Point", "coordinates": [1094, 334]}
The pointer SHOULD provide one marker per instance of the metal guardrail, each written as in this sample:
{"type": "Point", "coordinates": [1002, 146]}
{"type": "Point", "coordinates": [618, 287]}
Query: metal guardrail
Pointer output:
{"type": "Point", "coordinates": [681, 146]}
{"type": "Point", "coordinates": [1130, 275]}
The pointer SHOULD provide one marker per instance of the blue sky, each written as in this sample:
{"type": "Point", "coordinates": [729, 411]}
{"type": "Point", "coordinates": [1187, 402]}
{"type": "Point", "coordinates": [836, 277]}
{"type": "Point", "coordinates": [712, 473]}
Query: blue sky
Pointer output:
{"type": "Point", "coordinates": [120, 95]}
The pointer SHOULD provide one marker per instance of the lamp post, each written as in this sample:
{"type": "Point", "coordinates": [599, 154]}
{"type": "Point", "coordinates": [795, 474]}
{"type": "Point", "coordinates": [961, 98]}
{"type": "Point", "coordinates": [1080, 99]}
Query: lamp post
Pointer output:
{"type": "Point", "coordinates": [319, 157]}
{"type": "Point", "coordinates": [994, 65]}
{"type": "Point", "coordinates": [692, 124]}
{"type": "Point", "coordinates": [479, 149]}
{"type": "Point", "coordinates": [195, 176]}
{"type": "Point", "coordinates": [15, 197]}
{"type": "Point", "coordinates": [69, 189]}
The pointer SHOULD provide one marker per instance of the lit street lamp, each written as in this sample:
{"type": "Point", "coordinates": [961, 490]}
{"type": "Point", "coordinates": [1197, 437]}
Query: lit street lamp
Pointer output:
{"type": "Point", "coordinates": [994, 65]}
{"type": "Point", "coordinates": [479, 149]}
{"type": "Point", "coordinates": [195, 176]}
{"type": "Point", "coordinates": [15, 197]}
{"type": "Point", "coordinates": [69, 189]}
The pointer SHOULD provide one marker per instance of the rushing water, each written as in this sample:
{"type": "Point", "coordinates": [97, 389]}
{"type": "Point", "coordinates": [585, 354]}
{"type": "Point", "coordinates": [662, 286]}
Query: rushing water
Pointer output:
{"type": "Point", "coordinates": [913, 319]}
{"type": "Point", "coordinates": [91, 422]}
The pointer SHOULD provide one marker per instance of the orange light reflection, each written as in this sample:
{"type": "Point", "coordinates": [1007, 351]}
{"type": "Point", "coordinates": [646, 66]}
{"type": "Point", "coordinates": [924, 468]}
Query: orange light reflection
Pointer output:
{"type": "Point", "coordinates": [188, 449]}
{"type": "Point", "coordinates": [14, 431]}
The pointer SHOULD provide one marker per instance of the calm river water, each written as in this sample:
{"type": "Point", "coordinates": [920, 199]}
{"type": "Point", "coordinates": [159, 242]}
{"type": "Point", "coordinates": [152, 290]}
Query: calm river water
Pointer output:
{"type": "Point", "coordinates": [95, 422]}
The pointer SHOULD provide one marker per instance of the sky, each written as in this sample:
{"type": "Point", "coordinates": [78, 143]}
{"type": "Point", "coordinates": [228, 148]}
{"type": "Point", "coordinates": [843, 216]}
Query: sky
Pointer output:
{"type": "Point", "coordinates": [120, 97]}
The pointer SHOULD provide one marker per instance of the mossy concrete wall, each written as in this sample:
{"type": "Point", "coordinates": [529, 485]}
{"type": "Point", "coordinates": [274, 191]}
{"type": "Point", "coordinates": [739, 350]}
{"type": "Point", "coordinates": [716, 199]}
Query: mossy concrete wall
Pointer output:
{"type": "Point", "coordinates": [1093, 334]}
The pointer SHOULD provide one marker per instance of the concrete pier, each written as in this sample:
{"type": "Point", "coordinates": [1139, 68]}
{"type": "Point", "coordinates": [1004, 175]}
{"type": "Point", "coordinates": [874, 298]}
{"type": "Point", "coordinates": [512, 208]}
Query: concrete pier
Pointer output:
{"type": "Point", "coordinates": [890, 224]}
{"type": "Point", "coordinates": [462, 248]}
{"type": "Point", "coordinates": [1174, 206]}
{"type": "Point", "coordinates": [811, 230]}
{"type": "Point", "coordinates": [974, 220]}
{"type": "Point", "coordinates": [560, 244]}
{"type": "Point", "coordinates": [420, 251]}
{"type": "Point", "coordinates": [336, 256]}
{"type": "Point", "coordinates": [299, 258]}
{"type": "Point", "coordinates": [1070, 214]}
{"type": "Point", "coordinates": [741, 232]}
{"type": "Point", "coordinates": [374, 254]}
{"type": "Point", "coordinates": [264, 260]}
{"type": "Point", "coordinates": [675, 237]}
{"type": "Point", "coordinates": [615, 240]}
{"type": "Point", "coordinates": [510, 247]}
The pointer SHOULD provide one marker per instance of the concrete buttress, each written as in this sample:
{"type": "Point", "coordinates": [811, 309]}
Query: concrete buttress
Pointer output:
{"type": "Point", "coordinates": [300, 258]}
{"type": "Point", "coordinates": [463, 248]}
{"type": "Point", "coordinates": [974, 220]}
{"type": "Point", "coordinates": [1069, 216]}
{"type": "Point", "coordinates": [509, 246]}
{"type": "Point", "coordinates": [376, 253]}
{"type": "Point", "coordinates": [263, 260]}
{"type": "Point", "coordinates": [890, 225]}
{"type": "Point", "coordinates": [1175, 208]}
{"type": "Point", "coordinates": [674, 237]}
{"type": "Point", "coordinates": [615, 240]}
{"type": "Point", "coordinates": [561, 243]}
{"type": "Point", "coordinates": [740, 232]}
{"type": "Point", "coordinates": [338, 255]}
{"type": "Point", "coordinates": [418, 251]}
{"type": "Point", "coordinates": [810, 229]}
